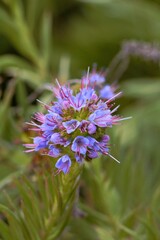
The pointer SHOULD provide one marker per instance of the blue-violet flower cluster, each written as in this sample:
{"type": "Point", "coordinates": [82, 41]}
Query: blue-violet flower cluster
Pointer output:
{"type": "Point", "coordinates": [74, 127]}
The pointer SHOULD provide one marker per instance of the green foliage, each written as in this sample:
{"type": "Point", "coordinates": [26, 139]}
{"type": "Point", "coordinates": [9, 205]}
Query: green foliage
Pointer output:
{"type": "Point", "coordinates": [43, 206]}
{"type": "Point", "coordinates": [41, 40]}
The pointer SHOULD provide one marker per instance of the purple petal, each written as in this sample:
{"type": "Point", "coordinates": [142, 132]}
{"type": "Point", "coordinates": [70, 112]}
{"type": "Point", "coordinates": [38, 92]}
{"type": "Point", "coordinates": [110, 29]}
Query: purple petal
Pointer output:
{"type": "Point", "coordinates": [71, 125]}
{"type": "Point", "coordinates": [94, 78]}
{"type": "Point", "coordinates": [56, 138]}
{"type": "Point", "coordinates": [91, 128]}
{"type": "Point", "coordinates": [93, 143]}
{"type": "Point", "coordinates": [78, 101]}
{"type": "Point", "coordinates": [84, 125]}
{"type": "Point", "coordinates": [89, 94]}
{"type": "Point", "coordinates": [80, 144]}
{"type": "Point", "coordinates": [92, 154]}
{"type": "Point", "coordinates": [64, 164]}
{"type": "Point", "coordinates": [107, 92]}
{"type": "Point", "coordinates": [51, 121]}
{"type": "Point", "coordinates": [79, 158]}
{"type": "Point", "coordinates": [105, 139]}
{"type": "Point", "coordinates": [101, 118]}
{"type": "Point", "coordinates": [103, 144]}
{"type": "Point", "coordinates": [40, 143]}
{"type": "Point", "coordinates": [54, 152]}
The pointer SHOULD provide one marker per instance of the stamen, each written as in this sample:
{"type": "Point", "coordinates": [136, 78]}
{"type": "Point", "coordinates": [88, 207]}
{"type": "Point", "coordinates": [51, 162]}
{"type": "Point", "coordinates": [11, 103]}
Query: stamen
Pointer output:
{"type": "Point", "coordinates": [112, 98]}
{"type": "Point", "coordinates": [113, 158]}
{"type": "Point", "coordinates": [122, 119]}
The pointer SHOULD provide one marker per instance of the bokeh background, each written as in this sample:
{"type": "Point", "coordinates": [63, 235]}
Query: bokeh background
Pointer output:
{"type": "Point", "coordinates": [44, 40]}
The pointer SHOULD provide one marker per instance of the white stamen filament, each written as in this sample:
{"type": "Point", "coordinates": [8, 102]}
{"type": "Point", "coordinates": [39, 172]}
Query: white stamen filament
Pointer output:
{"type": "Point", "coordinates": [122, 119]}
{"type": "Point", "coordinates": [112, 98]}
{"type": "Point", "coordinates": [113, 158]}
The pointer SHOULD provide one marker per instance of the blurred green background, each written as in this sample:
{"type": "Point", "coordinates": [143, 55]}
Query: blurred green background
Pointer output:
{"type": "Point", "coordinates": [44, 40]}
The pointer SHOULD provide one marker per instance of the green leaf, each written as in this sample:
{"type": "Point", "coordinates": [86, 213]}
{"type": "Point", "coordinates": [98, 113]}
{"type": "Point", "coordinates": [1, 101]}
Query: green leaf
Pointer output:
{"type": "Point", "coordinates": [7, 61]}
{"type": "Point", "coordinates": [45, 38]}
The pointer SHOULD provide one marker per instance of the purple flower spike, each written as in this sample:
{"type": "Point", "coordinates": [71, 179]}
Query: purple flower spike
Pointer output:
{"type": "Point", "coordinates": [75, 122]}
{"type": "Point", "coordinates": [71, 125]}
{"type": "Point", "coordinates": [79, 145]}
{"type": "Point", "coordinates": [101, 118]}
{"type": "Point", "coordinates": [63, 164]}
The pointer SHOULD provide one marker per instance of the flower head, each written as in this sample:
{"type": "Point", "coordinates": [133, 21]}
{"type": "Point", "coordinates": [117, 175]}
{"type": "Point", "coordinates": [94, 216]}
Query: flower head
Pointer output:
{"type": "Point", "coordinates": [75, 124]}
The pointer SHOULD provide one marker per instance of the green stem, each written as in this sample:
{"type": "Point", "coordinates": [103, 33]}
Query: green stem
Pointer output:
{"type": "Point", "coordinates": [68, 185]}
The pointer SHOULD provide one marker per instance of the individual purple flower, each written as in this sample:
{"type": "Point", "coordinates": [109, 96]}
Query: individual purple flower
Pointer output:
{"type": "Point", "coordinates": [89, 94]}
{"type": "Point", "coordinates": [83, 125]}
{"type": "Point", "coordinates": [78, 101]}
{"type": "Point", "coordinates": [57, 108]}
{"type": "Point", "coordinates": [79, 145]}
{"type": "Point", "coordinates": [103, 144]}
{"type": "Point", "coordinates": [57, 139]}
{"type": "Point", "coordinates": [62, 92]}
{"type": "Point", "coordinates": [51, 121]}
{"type": "Point", "coordinates": [92, 154]}
{"type": "Point", "coordinates": [101, 118]}
{"type": "Point", "coordinates": [53, 151]}
{"type": "Point", "coordinates": [71, 125]}
{"type": "Point", "coordinates": [93, 143]}
{"type": "Point", "coordinates": [105, 139]}
{"type": "Point", "coordinates": [79, 157]}
{"type": "Point", "coordinates": [38, 144]}
{"type": "Point", "coordinates": [107, 92]}
{"type": "Point", "coordinates": [40, 117]}
{"type": "Point", "coordinates": [47, 134]}
{"type": "Point", "coordinates": [91, 128]}
{"type": "Point", "coordinates": [63, 164]}
{"type": "Point", "coordinates": [94, 78]}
